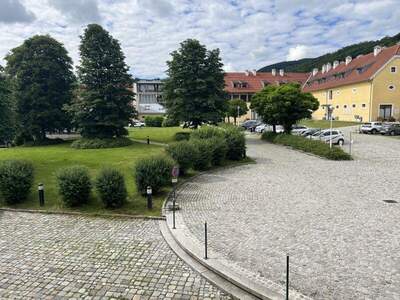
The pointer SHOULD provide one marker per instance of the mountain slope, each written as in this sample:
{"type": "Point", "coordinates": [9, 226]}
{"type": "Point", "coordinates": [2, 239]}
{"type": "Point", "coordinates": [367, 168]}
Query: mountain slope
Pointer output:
{"type": "Point", "coordinates": [307, 64]}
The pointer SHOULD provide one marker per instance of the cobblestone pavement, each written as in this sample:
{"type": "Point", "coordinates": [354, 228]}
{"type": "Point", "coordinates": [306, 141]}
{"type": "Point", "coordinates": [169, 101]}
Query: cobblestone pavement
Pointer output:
{"type": "Point", "coordinates": [343, 240]}
{"type": "Point", "coordinates": [70, 257]}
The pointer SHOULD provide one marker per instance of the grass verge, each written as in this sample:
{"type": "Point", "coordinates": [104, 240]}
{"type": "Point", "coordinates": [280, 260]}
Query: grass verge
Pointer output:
{"type": "Point", "coordinates": [312, 146]}
{"type": "Point", "coordinates": [156, 134]}
{"type": "Point", "coordinates": [324, 124]}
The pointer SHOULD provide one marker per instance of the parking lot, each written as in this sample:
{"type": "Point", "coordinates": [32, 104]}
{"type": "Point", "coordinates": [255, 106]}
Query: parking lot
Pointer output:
{"type": "Point", "coordinates": [331, 217]}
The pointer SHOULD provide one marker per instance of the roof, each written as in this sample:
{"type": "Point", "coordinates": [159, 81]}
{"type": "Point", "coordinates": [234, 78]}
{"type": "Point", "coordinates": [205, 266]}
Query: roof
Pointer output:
{"type": "Point", "coordinates": [358, 70]}
{"type": "Point", "coordinates": [255, 83]}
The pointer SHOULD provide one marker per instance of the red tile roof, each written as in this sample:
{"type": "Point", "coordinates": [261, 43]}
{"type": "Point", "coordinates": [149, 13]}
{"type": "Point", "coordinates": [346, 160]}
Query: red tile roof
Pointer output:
{"type": "Point", "coordinates": [359, 69]}
{"type": "Point", "coordinates": [255, 82]}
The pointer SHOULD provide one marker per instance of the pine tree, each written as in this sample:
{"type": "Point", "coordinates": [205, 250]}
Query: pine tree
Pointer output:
{"type": "Point", "coordinates": [194, 91]}
{"type": "Point", "coordinates": [6, 111]}
{"type": "Point", "coordinates": [103, 106]}
{"type": "Point", "coordinates": [42, 81]}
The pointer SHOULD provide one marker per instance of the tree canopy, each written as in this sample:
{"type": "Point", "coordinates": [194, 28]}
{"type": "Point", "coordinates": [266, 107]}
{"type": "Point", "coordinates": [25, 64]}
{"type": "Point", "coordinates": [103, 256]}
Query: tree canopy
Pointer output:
{"type": "Point", "coordinates": [6, 111]}
{"type": "Point", "coordinates": [104, 104]}
{"type": "Point", "coordinates": [42, 80]}
{"type": "Point", "coordinates": [284, 105]}
{"type": "Point", "coordinates": [194, 90]}
{"type": "Point", "coordinates": [236, 108]}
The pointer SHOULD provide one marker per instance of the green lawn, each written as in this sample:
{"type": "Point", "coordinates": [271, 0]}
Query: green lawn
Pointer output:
{"type": "Point", "coordinates": [156, 134]}
{"type": "Point", "coordinates": [48, 159]}
{"type": "Point", "coordinates": [323, 124]}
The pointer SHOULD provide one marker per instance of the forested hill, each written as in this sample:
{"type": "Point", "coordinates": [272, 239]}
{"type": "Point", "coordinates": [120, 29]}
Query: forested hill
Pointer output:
{"type": "Point", "coordinates": [307, 64]}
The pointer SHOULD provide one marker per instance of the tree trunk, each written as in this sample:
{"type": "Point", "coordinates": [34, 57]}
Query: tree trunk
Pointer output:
{"type": "Point", "coordinates": [234, 119]}
{"type": "Point", "coordinates": [273, 128]}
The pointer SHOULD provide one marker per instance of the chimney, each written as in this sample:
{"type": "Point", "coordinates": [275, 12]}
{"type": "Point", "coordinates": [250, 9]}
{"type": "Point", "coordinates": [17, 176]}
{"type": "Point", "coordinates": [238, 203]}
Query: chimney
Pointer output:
{"type": "Point", "coordinates": [314, 71]}
{"type": "Point", "coordinates": [377, 50]}
{"type": "Point", "coordinates": [323, 69]}
{"type": "Point", "coordinates": [281, 72]}
{"type": "Point", "coordinates": [246, 73]}
{"type": "Point", "coordinates": [328, 67]}
{"type": "Point", "coordinates": [335, 64]}
{"type": "Point", "coordinates": [254, 72]}
{"type": "Point", "coordinates": [273, 71]}
{"type": "Point", "coordinates": [348, 60]}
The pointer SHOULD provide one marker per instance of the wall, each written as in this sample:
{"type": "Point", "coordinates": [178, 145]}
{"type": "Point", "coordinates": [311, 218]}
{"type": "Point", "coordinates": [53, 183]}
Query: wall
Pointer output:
{"type": "Point", "coordinates": [382, 95]}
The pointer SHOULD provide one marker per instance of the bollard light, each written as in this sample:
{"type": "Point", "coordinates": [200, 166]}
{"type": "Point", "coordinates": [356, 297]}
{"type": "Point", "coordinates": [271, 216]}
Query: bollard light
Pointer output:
{"type": "Point", "coordinates": [41, 194]}
{"type": "Point", "coordinates": [149, 197]}
{"type": "Point", "coordinates": [148, 140]}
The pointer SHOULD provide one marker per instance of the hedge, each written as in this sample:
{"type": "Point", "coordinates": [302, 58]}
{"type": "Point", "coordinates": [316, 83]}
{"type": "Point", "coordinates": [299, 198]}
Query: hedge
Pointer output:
{"type": "Point", "coordinates": [96, 143]}
{"type": "Point", "coordinates": [110, 185]}
{"type": "Point", "coordinates": [307, 145]}
{"type": "Point", "coordinates": [155, 121]}
{"type": "Point", "coordinates": [183, 153]}
{"type": "Point", "coordinates": [74, 185]}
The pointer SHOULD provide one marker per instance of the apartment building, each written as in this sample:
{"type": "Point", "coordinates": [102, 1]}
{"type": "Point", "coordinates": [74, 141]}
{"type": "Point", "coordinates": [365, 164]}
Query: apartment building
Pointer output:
{"type": "Point", "coordinates": [148, 97]}
{"type": "Point", "coordinates": [243, 85]}
{"type": "Point", "coordinates": [365, 88]}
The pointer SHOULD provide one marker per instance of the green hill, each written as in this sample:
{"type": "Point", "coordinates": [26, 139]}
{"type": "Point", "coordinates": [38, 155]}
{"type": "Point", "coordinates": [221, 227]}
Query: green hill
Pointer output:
{"type": "Point", "coordinates": [307, 64]}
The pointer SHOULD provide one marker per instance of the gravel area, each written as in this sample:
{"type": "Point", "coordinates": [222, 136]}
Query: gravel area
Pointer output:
{"type": "Point", "coordinates": [73, 257]}
{"type": "Point", "coordinates": [330, 217]}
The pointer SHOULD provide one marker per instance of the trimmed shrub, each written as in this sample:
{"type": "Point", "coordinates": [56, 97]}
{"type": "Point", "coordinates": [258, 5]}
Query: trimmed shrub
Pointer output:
{"type": "Point", "coordinates": [307, 145]}
{"type": "Point", "coordinates": [182, 136]}
{"type": "Point", "coordinates": [74, 185]}
{"type": "Point", "coordinates": [183, 153]}
{"type": "Point", "coordinates": [219, 149]}
{"type": "Point", "coordinates": [207, 132]}
{"type": "Point", "coordinates": [16, 179]}
{"type": "Point", "coordinates": [155, 121]}
{"type": "Point", "coordinates": [236, 143]}
{"type": "Point", "coordinates": [168, 122]}
{"type": "Point", "coordinates": [153, 171]}
{"type": "Point", "coordinates": [110, 185]}
{"type": "Point", "coordinates": [96, 143]}
{"type": "Point", "coordinates": [203, 156]}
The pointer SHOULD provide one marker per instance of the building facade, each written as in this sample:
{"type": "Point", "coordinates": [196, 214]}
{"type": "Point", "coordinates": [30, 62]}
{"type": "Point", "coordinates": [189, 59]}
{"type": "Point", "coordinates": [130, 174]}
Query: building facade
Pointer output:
{"type": "Point", "coordinates": [243, 85]}
{"type": "Point", "coordinates": [148, 98]}
{"type": "Point", "coordinates": [366, 88]}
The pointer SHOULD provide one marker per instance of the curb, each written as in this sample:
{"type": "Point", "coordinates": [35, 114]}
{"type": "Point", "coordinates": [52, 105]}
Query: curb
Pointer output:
{"type": "Point", "coordinates": [75, 213]}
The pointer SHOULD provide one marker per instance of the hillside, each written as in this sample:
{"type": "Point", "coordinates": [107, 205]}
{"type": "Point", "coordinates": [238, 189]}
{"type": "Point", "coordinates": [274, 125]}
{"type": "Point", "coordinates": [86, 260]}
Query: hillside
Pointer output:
{"type": "Point", "coordinates": [307, 64]}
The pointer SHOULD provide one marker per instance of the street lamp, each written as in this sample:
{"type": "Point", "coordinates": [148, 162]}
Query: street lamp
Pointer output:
{"type": "Point", "coordinates": [330, 108]}
{"type": "Point", "coordinates": [149, 197]}
{"type": "Point", "coordinates": [238, 112]}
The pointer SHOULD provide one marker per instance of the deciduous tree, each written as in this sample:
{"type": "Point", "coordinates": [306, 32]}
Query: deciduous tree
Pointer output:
{"type": "Point", "coordinates": [237, 108]}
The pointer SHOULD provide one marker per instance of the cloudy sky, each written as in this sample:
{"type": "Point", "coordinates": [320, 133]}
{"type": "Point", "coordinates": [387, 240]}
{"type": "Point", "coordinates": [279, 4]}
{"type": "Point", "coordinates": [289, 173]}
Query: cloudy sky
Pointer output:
{"type": "Point", "coordinates": [249, 33]}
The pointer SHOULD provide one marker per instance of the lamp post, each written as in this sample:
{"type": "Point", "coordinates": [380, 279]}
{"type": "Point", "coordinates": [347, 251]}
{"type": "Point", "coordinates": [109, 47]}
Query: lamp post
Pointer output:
{"type": "Point", "coordinates": [175, 174]}
{"type": "Point", "coordinates": [238, 113]}
{"type": "Point", "coordinates": [149, 197]}
{"type": "Point", "coordinates": [41, 194]}
{"type": "Point", "coordinates": [330, 113]}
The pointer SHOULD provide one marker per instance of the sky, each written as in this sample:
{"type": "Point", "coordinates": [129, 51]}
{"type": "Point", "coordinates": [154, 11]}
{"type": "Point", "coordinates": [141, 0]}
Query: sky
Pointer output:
{"type": "Point", "coordinates": [249, 33]}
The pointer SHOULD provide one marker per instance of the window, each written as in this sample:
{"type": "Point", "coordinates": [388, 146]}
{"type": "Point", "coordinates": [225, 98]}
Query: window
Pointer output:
{"type": "Point", "coordinates": [337, 106]}
{"type": "Point", "coordinates": [354, 90]}
{"type": "Point", "coordinates": [393, 69]}
{"type": "Point", "coordinates": [330, 94]}
{"type": "Point", "coordinates": [240, 84]}
{"type": "Point", "coordinates": [345, 106]}
{"type": "Point", "coordinates": [337, 92]}
{"type": "Point", "coordinates": [385, 111]}
{"type": "Point", "coordinates": [391, 87]}
{"type": "Point", "coordinates": [354, 105]}
{"type": "Point", "coordinates": [363, 105]}
{"type": "Point", "coordinates": [243, 97]}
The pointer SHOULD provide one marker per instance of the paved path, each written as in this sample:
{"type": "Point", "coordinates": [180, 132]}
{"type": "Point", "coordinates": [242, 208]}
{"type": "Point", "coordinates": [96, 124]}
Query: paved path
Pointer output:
{"type": "Point", "coordinates": [343, 240]}
{"type": "Point", "coordinates": [70, 257]}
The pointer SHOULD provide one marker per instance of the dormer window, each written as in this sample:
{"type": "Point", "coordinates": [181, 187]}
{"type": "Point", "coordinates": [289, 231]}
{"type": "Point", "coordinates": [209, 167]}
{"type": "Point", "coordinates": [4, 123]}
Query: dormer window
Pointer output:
{"type": "Point", "coordinates": [265, 83]}
{"type": "Point", "coordinates": [240, 84]}
{"type": "Point", "coordinates": [393, 69]}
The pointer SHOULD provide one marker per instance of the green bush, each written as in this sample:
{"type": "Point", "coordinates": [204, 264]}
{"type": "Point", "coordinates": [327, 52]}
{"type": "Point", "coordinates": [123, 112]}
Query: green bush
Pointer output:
{"type": "Point", "coordinates": [110, 185]}
{"type": "Point", "coordinates": [74, 185]}
{"type": "Point", "coordinates": [168, 122]}
{"type": "Point", "coordinates": [183, 153]}
{"type": "Point", "coordinates": [203, 156]}
{"type": "Point", "coordinates": [307, 145]}
{"type": "Point", "coordinates": [182, 136]}
{"type": "Point", "coordinates": [153, 171]}
{"type": "Point", "coordinates": [96, 143]}
{"type": "Point", "coordinates": [16, 179]}
{"type": "Point", "coordinates": [207, 132]}
{"type": "Point", "coordinates": [155, 121]}
{"type": "Point", "coordinates": [236, 143]}
{"type": "Point", "coordinates": [219, 150]}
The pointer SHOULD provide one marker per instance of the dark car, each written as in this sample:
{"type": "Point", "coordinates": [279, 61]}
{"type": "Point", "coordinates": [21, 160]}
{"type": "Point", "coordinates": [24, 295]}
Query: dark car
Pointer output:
{"type": "Point", "coordinates": [390, 129]}
{"type": "Point", "coordinates": [250, 124]}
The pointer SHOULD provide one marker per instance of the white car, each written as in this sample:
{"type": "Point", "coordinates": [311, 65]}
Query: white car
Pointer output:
{"type": "Point", "coordinates": [326, 136]}
{"type": "Point", "coordinates": [298, 129]}
{"type": "Point", "coordinates": [278, 128]}
{"type": "Point", "coordinates": [261, 128]}
{"type": "Point", "coordinates": [371, 127]}
{"type": "Point", "coordinates": [136, 123]}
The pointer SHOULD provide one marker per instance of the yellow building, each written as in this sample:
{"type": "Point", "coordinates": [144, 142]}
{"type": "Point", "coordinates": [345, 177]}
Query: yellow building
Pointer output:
{"type": "Point", "coordinates": [365, 88]}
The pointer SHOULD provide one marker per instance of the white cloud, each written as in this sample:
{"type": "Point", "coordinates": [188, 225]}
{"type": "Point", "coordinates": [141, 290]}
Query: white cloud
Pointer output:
{"type": "Point", "coordinates": [298, 52]}
{"type": "Point", "coordinates": [249, 33]}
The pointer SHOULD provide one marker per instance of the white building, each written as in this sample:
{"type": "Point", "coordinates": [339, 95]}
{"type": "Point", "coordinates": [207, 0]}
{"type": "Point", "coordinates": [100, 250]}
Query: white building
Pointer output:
{"type": "Point", "coordinates": [148, 97]}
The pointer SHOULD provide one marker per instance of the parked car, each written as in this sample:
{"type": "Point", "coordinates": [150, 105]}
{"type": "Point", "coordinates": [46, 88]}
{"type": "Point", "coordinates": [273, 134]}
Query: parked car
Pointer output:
{"type": "Point", "coordinates": [136, 123]}
{"type": "Point", "coordinates": [260, 128]}
{"type": "Point", "coordinates": [250, 123]}
{"type": "Point", "coordinates": [326, 136]}
{"type": "Point", "coordinates": [371, 127]}
{"type": "Point", "coordinates": [309, 132]}
{"type": "Point", "coordinates": [298, 129]}
{"type": "Point", "coordinates": [5, 144]}
{"type": "Point", "coordinates": [390, 129]}
{"type": "Point", "coordinates": [278, 128]}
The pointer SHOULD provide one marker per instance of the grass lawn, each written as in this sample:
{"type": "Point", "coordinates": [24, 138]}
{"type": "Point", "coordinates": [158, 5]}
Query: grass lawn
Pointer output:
{"type": "Point", "coordinates": [323, 124]}
{"type": "Point", "coordinates": [48, 159]}
{"type": "Point", "coordinates": [156, 134]}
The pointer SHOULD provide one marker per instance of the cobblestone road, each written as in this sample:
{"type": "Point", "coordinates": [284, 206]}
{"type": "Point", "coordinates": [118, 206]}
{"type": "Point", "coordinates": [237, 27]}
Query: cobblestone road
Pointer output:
{"type": "Point", "coordinates": [69, 257]}
{"type": "Point", "coordinates": [344, 241]}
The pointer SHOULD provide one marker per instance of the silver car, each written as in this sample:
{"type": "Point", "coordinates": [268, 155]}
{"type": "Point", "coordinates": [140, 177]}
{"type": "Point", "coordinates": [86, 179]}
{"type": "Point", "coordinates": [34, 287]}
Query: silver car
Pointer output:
{"type": "Point", "coordinates": [371, 127]}
{"type": "Point", "coordinates": [326, 136]}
